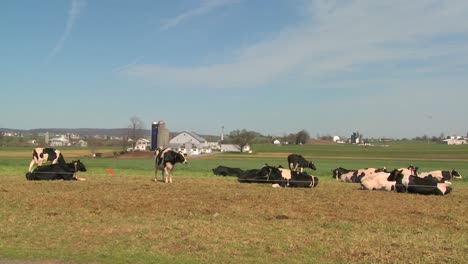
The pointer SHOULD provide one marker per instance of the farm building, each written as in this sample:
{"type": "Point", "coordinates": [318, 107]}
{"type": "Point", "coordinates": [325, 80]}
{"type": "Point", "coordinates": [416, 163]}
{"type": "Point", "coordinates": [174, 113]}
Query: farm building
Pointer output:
{"type": "Point", "coordinates": [454, 141]}
{"type": "Point", "coordinates": [142, 144]}
{"type": "Point", "coordinates": [234, 148]}
{"type": "Point", "coordinates": [188, 142]}
{"type": "Point", "coordinates": [59, 142]}
{"type": "Point", "coordinates": [82, 143]}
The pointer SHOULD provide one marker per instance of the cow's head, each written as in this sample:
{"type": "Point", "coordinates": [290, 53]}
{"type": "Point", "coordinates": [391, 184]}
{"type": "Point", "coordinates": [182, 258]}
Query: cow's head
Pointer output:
{"type": "Point", "coordinates": [79, 166]}
{"type": "Point", "coordinates": [413, 169]}
{"type": "Point", "coordinates": [456, 174]}
{"type": "Point", "coordinates": [181, 157]}
{"type": "Point", "coordinates": [311, 165]}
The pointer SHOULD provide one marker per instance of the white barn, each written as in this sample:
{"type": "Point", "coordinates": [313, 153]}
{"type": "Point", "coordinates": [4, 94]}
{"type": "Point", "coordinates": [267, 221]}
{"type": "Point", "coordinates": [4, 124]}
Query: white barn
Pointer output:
{"type": "Point", "coordinates": [188, 142]}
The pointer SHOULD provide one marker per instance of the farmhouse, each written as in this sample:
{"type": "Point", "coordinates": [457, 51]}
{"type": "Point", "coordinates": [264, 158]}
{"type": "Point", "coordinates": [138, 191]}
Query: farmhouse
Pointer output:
{"type": "Point", "coordinates": [142, 144]}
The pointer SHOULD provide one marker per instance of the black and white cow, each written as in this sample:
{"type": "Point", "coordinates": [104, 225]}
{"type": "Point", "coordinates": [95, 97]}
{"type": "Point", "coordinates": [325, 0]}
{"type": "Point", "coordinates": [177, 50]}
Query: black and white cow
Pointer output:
{"type": "Point", "coordinates": [165, 159]}
{"type": "Point", "coordinates": [427, 185]}
{"type": "Point", "coordinates": [57, 171]}
{"type": "Point", "coordinates": [297, 162]}
{"type": "Point", "coordinates": [41, 155]}
{"type": "Point", "coordinates": [279, 177]}
{"type": "Point", "coordinates": [336, 173]}
{"type": "Point", "coordinates": [442, 175]}
{"type": "Point", "coordinates": [297, 179]}
{"type": "Point", "coordinates": [266, 174]}
{"type": "Point", "coordinates": [380, 180]}
{"type": "Point", "coordinates": [227, 171]}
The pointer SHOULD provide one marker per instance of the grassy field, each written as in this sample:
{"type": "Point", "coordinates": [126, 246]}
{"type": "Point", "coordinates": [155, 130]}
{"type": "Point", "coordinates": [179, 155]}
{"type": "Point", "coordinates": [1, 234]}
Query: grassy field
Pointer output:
{"type": "Point", "coordinates": [201, 218]}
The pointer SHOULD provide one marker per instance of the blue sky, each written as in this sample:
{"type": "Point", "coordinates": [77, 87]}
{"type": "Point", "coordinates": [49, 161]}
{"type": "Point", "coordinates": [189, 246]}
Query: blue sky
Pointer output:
{"type": "Point", "coordinates": [384, 68]}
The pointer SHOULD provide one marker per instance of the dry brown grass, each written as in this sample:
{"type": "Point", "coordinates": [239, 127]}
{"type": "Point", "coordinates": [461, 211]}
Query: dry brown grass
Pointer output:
{"type": "Point", "coordinates": [210, 219]}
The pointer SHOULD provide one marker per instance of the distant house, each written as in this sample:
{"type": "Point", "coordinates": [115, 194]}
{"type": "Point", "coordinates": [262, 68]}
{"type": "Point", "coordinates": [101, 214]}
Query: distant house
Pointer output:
{"type": "Point", "coordinates": [59, 142]}
{"type": "Point", "coordinates": [276, 142]}
{"type": "Point", "coordinates": [142, 144]}
{"type": "Point", "coordinates": [82, 143]}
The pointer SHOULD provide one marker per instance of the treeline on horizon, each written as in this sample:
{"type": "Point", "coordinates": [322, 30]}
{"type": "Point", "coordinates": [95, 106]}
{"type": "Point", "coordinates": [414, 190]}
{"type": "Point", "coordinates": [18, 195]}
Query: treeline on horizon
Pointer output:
{"type": "Point", "coordinates": [119, 137]}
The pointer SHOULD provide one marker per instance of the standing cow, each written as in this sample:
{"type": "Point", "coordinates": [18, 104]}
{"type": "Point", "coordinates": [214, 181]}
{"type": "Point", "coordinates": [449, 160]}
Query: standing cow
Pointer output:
{"type": "Point", "coordinates": [297, 162]}
{"type": "Point", "coordinates": [41, 155]}
{"type": "Point", "coordinates": [165, 159]}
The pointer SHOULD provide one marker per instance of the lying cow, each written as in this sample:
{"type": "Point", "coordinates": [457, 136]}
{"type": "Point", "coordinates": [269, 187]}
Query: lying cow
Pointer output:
{"type": "Point", "coordinates": [165, 159]}
{"type": "Point", "coordinates": [338, 172]}
{"type": "Point", "coordinates": [227, 171]}
{"type": "Point", "coordinates": [380, 180]}
{"type": "Point", "coordinates": [427, 185]}
{"type": "Point", "coordinates": [57, 171]}
{"type": "Point", "coordinates": [297, 162]}
{"type": "Point", "coordinates": [41, 155]}
{"type": "Point", "coordinates": [279, 177]}
{"type": "Point", "coordinates": [266, 174]}
{"type": "Point", "coordinates": [297, 179]}
{"type": "Point", "coordinates": [441, 175]}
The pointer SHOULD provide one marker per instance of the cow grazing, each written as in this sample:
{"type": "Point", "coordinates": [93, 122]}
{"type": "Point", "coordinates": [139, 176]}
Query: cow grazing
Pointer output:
{"type": "Point", "coordinates": [427, 185]}
{"type": "Point", "coordinates": [227, 171]}
{"type": "Point", "coordinates": [297, 162]}
{"type": "Point", "coordinates": [441, 175]}
{"type": "Point", "coordinates": [165, 159]}
{"type": "Point", "coordinates": [57, 171]}
{"type": "Point", "coordinates": [41, 155]}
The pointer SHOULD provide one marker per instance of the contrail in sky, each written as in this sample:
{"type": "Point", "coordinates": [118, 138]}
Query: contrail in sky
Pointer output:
{"type": "Point", "coordinates": [205, 7]}
{"type": "Point", "coordinates": [75, 9]}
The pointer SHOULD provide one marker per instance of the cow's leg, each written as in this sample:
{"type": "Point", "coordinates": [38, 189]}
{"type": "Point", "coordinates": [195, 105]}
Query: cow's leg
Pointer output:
{"type": "Point", "coordinates": [166, 174]}
{"type": "Point", "coordinates": [31, 164]}
{"type": "Point", "coordinates": [169, 168]}
{"type": "Point", "coordinates": [156, 168]}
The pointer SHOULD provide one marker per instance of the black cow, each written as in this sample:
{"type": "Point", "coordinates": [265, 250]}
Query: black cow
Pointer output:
{"type": "Point", "coordinates": [57, 171]}
{"type": "Point", "coordinates": [297, 161]}
{"type": "Point", "coordinates": [267, 174]}
{"type": "Point", "coordinates": [427, 185]}
{"type": "Point", "coordinates": [165, 159]}
{"type": "Point", "coordinates": [40, 155]}
{"type": "Point", "coordinates": [227, 171]}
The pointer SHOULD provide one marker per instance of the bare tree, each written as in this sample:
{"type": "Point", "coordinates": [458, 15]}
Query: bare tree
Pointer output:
{"type": "Point", "coordinates": [242, 137]}
{"type": "Point", "coordinates": [135, 130]}
{"type": "Point", "coordinates": [302, 137]}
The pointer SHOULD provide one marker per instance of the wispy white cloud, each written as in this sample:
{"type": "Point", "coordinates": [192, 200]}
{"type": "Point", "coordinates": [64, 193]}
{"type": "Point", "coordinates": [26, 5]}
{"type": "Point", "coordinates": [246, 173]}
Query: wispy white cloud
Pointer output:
{"type": "Point", "coordinates": [75, 9]}
{"type": "Point", "coordinates": [206, 7]}
{"type": "Point", "coordinates": [338, 36]}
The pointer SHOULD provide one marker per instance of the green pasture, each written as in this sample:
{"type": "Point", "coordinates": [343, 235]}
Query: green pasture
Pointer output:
{"type": "Point", "coordinates": [202, 218]}
{"type": "Point", "coordinates": [427, 156]}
